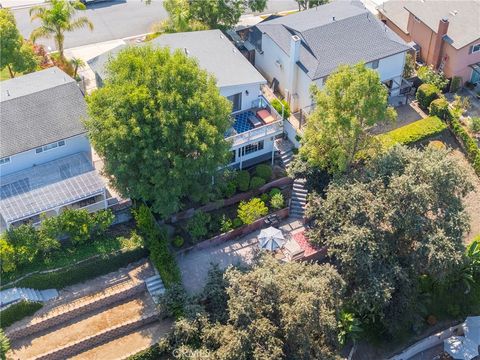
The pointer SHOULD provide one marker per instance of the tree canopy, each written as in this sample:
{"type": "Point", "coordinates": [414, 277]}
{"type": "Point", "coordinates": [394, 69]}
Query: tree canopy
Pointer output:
{"type": "Point", "coordinates": [398, 219]}
{"type": "Point", "coordinates": [15, 54]}
{"type": "Point", "coordinates": [352, 100]}
{"type": "Point", "coordinates": [159, 123]}
{"type": "Point", "coordinates": [223, 13]}
{"type": "Point", "coordinates": [273, 311]}
{"type": "Point", "coordinates": [307, 4]}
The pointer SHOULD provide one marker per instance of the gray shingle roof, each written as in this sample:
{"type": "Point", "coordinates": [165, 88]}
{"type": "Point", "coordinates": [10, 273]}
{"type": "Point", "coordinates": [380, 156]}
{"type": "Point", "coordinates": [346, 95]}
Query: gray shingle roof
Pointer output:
{"type": "Point", "coordinates": [98, 63]}
{"type": "Point", "coordinates": [355, 35]}
{"type": "Point", "coordinates": [216, 54]}
{"type": "Point", "coordinates": [38, 109]}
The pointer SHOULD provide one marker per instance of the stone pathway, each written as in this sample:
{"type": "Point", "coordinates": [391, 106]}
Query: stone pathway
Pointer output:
{"type": "Point", "coordinates": [194, 264]}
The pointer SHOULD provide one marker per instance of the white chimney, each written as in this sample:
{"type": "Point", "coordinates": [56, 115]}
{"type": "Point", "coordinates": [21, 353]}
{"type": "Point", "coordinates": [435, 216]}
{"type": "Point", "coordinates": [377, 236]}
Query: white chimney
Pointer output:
{"type": "Point", "coordinates": [295, 43]}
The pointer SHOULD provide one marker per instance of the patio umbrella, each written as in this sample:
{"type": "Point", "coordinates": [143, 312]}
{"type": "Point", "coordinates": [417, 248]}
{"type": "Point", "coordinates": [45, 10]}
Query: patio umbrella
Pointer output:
{"type": "Point", "coordinates": [271, 239]}
{"type": "Point", "coordinates": [471, 328]}
{"type": "Point", "coordinates": [460, 348]}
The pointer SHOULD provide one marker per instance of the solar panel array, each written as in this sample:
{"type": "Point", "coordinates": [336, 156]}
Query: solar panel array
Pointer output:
{"type": "Point", "coordinates": [70, 190]}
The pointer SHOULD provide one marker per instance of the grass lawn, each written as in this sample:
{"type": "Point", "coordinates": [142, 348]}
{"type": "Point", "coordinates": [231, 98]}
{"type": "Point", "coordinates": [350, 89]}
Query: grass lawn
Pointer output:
{"type": "Point", "coordinates": [68, 254]}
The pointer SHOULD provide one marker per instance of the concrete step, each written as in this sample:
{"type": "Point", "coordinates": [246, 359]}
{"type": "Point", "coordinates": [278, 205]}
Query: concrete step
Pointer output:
{"type": "Point", "coordinates": [155, 287]}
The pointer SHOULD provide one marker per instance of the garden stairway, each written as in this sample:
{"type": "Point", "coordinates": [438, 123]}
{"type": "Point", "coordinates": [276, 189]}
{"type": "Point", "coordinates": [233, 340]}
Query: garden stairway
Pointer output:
{"type": "Point", "coordinates": [285, 149]}
{"type": "Point", "coordinates": [14, 295]}
{"type": "Point", "coordinates": [298, 201]}
{"type": "Point", "coordinates": [155, 287]}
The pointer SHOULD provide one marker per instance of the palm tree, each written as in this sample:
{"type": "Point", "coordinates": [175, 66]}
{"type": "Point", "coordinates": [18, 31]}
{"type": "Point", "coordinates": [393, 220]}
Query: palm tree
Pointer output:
{"type": "Point", "coordinates": [57, 19]}
{"type": "Point", "coordinates": [76, 63]}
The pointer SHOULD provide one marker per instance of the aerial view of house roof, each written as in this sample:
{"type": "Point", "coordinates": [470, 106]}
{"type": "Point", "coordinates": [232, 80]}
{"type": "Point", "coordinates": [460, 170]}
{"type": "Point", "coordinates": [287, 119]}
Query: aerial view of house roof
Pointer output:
{"type": "Point", "coordinates": [38, 109]}
{"type": "Point", "coordinates": [333, 34]}
{"type": "Point", "coordinates": [463, 17]}
{"type": "Point", "coordinates": [216, 54]}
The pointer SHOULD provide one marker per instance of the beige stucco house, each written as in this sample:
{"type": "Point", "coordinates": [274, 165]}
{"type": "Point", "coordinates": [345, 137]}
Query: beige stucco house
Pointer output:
{"type": "Point", "coordinates": [447, 33]}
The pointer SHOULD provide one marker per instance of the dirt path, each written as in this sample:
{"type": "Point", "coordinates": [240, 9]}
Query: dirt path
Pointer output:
{"type": "Point", "coordinates": [130, 344]}
{"type": "Point", "coordinates": [81, 327]}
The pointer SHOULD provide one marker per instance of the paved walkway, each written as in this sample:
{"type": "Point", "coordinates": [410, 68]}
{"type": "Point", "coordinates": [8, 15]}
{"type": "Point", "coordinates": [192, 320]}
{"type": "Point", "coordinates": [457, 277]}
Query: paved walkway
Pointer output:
{"type": "Point", "coordinates": [194, 264]}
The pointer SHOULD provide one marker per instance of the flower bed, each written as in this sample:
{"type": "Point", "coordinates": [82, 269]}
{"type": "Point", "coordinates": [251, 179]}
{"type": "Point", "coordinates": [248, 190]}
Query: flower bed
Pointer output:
{"type": "Point", "coordinates": [245, 210]}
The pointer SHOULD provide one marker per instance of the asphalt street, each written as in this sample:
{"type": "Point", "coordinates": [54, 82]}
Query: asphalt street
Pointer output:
{"type": "Point", "coordinates": [117, 19]}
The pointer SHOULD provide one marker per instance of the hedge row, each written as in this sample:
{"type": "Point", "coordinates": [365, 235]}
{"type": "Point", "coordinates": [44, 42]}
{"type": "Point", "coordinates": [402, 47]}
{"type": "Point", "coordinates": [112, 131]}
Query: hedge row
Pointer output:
{"type": "Point", "coordinates": [471, 147]}
{"type": "Point", "coordinates": [18, 311]}
{"type": "Point", "coordinates": [416, 131]}
{"type": "Point", "coordinates": [82, 272]}
{"type": "Point", "coordinates": [157, 242]}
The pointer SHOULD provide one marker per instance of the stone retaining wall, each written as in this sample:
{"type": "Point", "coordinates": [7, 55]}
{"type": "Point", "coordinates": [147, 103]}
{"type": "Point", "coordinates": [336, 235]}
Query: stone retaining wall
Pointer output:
{"type": "Point", "coordinates": [103, 337]}
{"type": "Point", "coordinates": [236, 233]}
{"type": "Point", "coordinates": [75, 309]}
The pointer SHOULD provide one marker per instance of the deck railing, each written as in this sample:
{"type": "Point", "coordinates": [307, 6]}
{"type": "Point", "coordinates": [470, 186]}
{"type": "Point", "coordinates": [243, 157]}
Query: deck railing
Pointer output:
{"type": "Point", "coordinates": [271, 129]}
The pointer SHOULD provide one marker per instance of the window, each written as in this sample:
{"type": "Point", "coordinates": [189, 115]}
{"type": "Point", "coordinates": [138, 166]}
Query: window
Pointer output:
{"type": "Point", "coordinates": [250, 148]}
{"type": "Point", "coordinates": [236, 100]}
{"type": "Point", "coordinates": [375, 64]}
{"type": "Point", "coordinates": [475, 48]}
{"type": "Point", "coordinates": [49, 146]}
{"type": "Point", "coordinates": [5, 160]}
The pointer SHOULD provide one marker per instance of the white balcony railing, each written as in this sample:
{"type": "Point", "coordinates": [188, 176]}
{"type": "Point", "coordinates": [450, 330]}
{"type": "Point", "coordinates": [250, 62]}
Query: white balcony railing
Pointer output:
{"type": "Point", "coordinates": [259, 133]}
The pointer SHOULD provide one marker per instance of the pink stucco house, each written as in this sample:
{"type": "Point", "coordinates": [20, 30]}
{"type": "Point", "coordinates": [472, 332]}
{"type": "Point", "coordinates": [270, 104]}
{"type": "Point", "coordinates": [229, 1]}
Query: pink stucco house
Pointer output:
{"type": "Point", "coordinates": [447, 33]}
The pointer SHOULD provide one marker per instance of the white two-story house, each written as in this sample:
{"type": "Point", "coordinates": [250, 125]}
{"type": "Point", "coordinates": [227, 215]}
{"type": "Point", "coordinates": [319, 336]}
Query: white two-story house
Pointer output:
{"type": "Point", "coordinates": [45, 156]}
{"type": "Point", "coordinates": [295, 51]}
{"type": "Point", "coordinates": [255, 124]}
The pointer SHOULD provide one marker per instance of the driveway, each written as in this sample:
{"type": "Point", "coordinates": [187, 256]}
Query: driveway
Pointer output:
{"type": "Point", "coordinates": [194, 264]}
{"type": "Point", "coordinates": [114, 19]}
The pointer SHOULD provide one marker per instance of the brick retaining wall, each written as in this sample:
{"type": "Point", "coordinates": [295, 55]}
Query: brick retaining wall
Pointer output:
{"type": "Point", "coordinates": [103, 337]}
{"type": "Point", "coordinates": [236, 233]}
{"type": "Point", "coordinates": [71, 311]}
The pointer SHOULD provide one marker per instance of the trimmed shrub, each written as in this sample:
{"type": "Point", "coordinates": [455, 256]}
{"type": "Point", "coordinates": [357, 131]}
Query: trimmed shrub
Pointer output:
{"type": "Point", "coordinates": [411, 133]}
{"type": "Point", "coordinates": [173, 301]}
{"type": "Point", "coordinates": [277, 201]}
{"type": "Point", "coordinates": [426, 93]}
{"type": "Point", "coordinates": [154, 352]}
{"type": "Point", "coordinates": [237, 222]}
{"type": "Point", "coordinates": [178, 241]}
{"type": "Point", "coordinates": [264, 171]}
{"type": "Point", "coordinates": [277, 105]}
{"type": "Point", "coordinates": [4, 345]}
{"type": "Point", "coordinates": [230, 189]}
{"type": "Point", "coordinates": [264, 197]}
{"type": "Point", "coordinates": [256, 182]}
{"type": "Point", "coordinates": [455, 84]}
{"type": "Point", "coordinates": [18, 311]}
{"type": "Point", "coordinates": [225, 224]}
{"type": "Point", "coordinates": [274, 191]}
{"type": "Point", "coordinates": [198, 225]}
{"type": "Point", "coordinates": [470, 145]}
{"type": "Point", "coordinates": [243, 180]}
{"type": "Point", "coordinates": [252, 210]}
{"type": "Point", "coordinates": [439, 107]}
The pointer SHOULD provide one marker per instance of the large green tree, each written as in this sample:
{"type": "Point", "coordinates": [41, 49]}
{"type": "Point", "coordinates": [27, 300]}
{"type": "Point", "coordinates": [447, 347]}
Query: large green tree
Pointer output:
{"type": "Point", "coordinates": [400, 218]}
{"type": "Point", "coordinates": [352, 100]}
{"type": "Point", "coordinates": [15, 54]}
{"type": "Point", "coordinates": [159, 123]}
{"type": "Point", "coordinates": [273, 311]}
{"type": "Point", "coordinates": [223, 14]}
{"type": "Point", "coordinates": [56, 19]}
